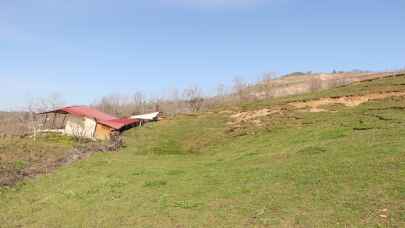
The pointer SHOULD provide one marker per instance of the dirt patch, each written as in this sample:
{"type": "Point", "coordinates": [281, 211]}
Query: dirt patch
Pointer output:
{"type": "Point", "coordinates": [309, 106]}
{"type": "Point", "coordinates": [253, 115]}
{"type": "Point", "coordinates": [348, 101]}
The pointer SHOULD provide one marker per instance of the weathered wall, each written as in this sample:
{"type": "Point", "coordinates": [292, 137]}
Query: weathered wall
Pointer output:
{"type": "Point", "coordinates": [80, 127]}
{"type": "Point", "coordinates": [102, 132]}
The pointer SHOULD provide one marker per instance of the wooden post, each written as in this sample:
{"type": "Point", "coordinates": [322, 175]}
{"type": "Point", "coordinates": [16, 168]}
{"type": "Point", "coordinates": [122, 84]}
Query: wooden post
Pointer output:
{"type": "Point", "coordinates": [45, 120]}
{"type": "Point", "coordinates": [53, 121]}
{"type": "Point", "coordinates": [64, 120]}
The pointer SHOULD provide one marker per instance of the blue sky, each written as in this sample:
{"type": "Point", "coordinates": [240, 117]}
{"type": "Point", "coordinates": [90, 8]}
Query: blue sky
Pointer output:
{"type": "Point", "coordinates": [84, 49]}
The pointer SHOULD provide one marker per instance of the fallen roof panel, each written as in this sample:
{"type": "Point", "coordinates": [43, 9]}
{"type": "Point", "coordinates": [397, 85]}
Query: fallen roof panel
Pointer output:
{"type": "Point", "coordinates": [100, 117]}
{"type": "Point", "coordinates": [149, 116]}
{"type": "Point", "coordinates": [119, 123]}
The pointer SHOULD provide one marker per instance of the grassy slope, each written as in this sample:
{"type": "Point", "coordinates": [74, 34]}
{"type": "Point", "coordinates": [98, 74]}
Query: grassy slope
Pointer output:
{"type": "Point", "coordinates": [303, 169]}
{"type": "Point", "coordinates": [24, 156]}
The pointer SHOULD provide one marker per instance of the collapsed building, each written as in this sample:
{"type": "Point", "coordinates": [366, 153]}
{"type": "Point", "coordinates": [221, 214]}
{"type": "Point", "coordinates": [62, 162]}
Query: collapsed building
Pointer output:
{"type": "Point", "coordinates": [86, 122]}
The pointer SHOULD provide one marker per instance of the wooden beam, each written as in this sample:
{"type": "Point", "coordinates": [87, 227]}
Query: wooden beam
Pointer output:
{"type": "Point", "coordinates": [45, 120]}
{"type": "Point", "coordinates": [53, 121]}
{"type": "Point", "coordinates": [64, 120]}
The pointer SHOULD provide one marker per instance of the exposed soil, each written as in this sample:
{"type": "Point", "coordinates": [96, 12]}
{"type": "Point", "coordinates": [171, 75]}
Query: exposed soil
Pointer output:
{"type": "Point", "coordinates": [251, 115]}
{"type": "Point", "coordinates": [348, 101]}
{"type": "Point", "coordinates": [310, 106]}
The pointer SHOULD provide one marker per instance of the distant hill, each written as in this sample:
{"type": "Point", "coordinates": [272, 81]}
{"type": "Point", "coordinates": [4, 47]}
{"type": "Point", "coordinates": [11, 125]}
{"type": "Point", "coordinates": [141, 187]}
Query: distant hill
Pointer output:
{"type": "Point", "coordinates": [295, 74]}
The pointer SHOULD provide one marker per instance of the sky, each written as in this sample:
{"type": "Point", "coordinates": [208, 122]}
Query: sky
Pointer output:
{"type": "Point", "coordinates": [85, 49]}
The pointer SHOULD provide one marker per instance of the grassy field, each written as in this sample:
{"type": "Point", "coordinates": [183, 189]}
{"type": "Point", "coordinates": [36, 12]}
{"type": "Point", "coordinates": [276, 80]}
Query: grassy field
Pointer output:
{"type": "Point", "coordinates": [341, 168]}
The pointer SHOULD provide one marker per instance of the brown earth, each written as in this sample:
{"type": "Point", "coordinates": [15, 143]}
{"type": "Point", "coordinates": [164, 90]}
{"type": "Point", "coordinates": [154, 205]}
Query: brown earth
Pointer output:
{"type": "Point", "coordinates": [348, 101]}
{"type": "Point", "coordinates": [310, 106]}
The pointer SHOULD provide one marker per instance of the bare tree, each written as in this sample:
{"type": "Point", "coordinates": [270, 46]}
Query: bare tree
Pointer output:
{"type": "Point", "coordinates": [174, 103]}
{"type": "Point", "coordinates": [194, 98]}
{"type": "Point", "coordinates": [111, 104]}
{"type": "Point", "coordinates": [268, 84]}
{"type": "Point", "coordinates": [123, 105]}
{"type": "Point", "coordinates": [139, 103]}
{"type": "Point", "coordinates": [33, 120]}
{"type": "Point", "coordinates": [239, 88]}
{"type": "Point", "coordinates": [51, 102]}
{"type": "Point", "coordinates": [54, 101]}
{"type": "Point", "coordinates": [35, 106]}
{"type": "Point", "coordinates": [157, 104]}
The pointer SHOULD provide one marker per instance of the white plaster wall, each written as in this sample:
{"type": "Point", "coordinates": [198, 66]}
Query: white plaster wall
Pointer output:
{"type": "Point", "coordinates": [80, 127]}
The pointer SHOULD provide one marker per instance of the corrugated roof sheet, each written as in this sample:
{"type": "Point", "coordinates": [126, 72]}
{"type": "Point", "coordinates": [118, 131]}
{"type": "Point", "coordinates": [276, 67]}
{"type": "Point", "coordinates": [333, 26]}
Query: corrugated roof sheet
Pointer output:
{"type": "Point", "coordinates": [100, 117]}
{"type": "Point", "coordinates": [119, 123]}
{"type": "Point", "coordinates": [149, 116]}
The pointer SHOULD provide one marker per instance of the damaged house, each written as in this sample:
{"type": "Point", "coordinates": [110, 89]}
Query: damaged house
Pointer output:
{"type": "Point", "coordinates": [86, 122]}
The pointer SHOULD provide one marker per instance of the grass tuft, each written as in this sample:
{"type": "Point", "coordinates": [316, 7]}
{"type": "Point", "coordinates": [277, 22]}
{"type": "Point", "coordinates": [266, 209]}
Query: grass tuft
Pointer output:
{"type": "Point", "coordinates": [155, 183]}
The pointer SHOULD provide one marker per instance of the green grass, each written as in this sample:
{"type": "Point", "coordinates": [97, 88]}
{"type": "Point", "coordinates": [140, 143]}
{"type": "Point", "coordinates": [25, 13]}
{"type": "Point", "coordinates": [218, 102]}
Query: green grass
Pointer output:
{"type": "Point", "coordinates": [331, 169]}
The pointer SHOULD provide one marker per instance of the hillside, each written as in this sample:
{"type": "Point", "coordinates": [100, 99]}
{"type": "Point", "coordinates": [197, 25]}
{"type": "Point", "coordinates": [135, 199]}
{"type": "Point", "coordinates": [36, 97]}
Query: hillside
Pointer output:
{"type": "Point", "coordinates": [334, 158]}
{"type": "Point", "coordinates": [301, 83]}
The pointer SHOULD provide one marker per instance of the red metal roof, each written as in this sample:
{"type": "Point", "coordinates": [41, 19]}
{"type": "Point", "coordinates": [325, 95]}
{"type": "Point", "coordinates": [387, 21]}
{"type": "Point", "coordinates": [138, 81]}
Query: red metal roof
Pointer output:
{"type": "Point", "coordinates": [119, 123]}
{"type": "Point", "coordinates": [99, 116]}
